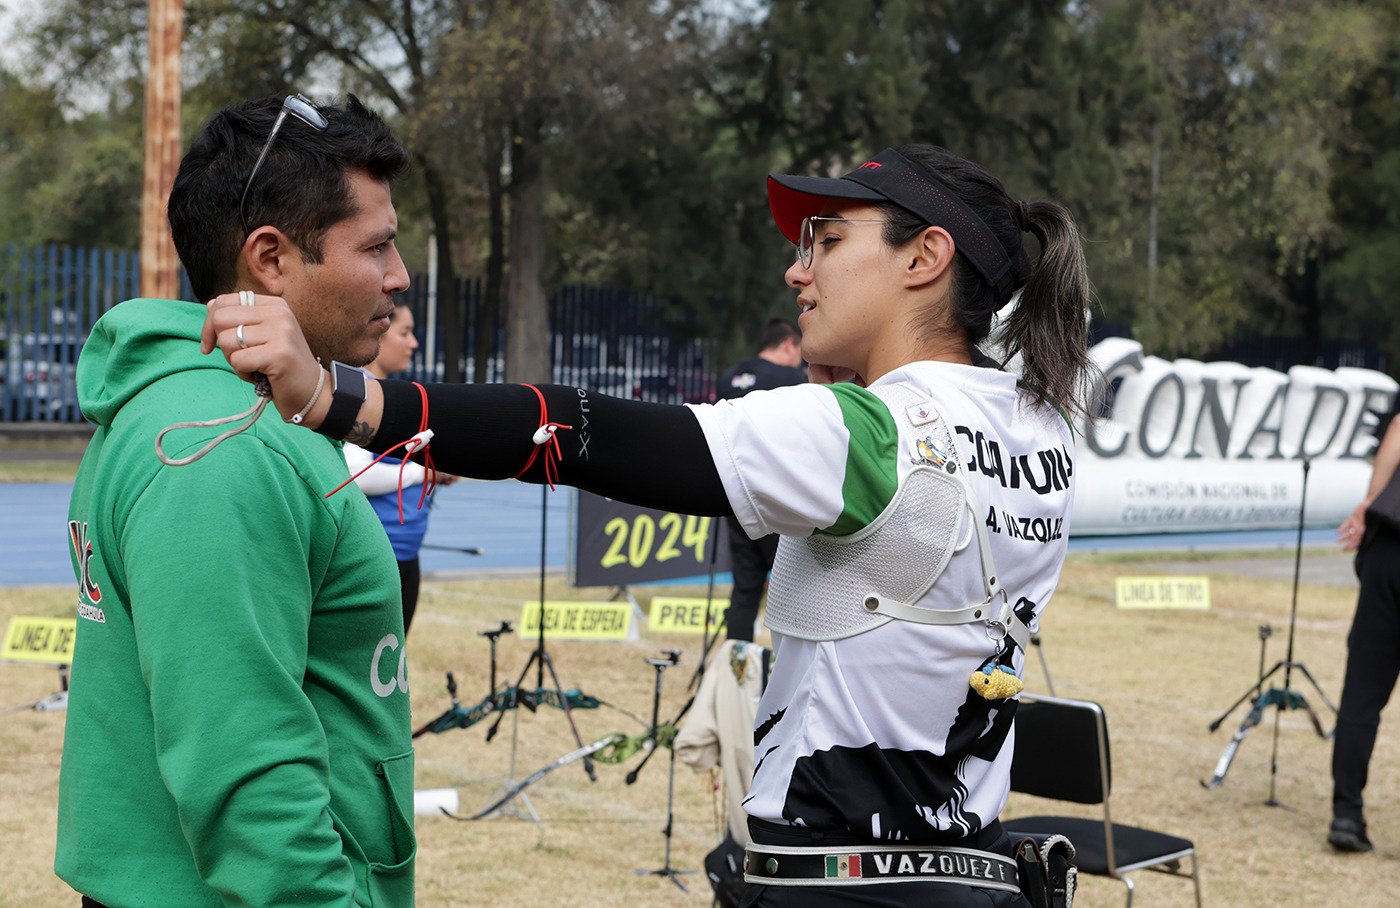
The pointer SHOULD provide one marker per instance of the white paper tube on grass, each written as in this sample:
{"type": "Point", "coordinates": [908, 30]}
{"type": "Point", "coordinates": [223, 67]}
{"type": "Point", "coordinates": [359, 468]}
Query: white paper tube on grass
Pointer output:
{"type": "Point", "coordinates": [434, 800]}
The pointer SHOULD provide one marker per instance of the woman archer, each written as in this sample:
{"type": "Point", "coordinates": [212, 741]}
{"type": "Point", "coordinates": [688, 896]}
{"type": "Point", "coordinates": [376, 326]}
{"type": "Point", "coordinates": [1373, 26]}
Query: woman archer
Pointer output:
{"type": "Point", "coordinates": [904, 590]}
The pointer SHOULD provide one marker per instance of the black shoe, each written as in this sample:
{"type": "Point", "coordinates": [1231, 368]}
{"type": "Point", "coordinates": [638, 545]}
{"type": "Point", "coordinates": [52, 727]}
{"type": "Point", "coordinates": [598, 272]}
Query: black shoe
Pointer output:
{"type": "Point", "coordinates": [1348, 835]}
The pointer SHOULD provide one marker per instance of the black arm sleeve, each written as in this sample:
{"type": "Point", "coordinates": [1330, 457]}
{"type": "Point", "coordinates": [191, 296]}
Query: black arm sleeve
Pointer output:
{"type": "Point", "coordinates": [652, 455]}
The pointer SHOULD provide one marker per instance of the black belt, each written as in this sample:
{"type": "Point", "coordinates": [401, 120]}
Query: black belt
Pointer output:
{"type": "Point", "coordinates": [785, 865]}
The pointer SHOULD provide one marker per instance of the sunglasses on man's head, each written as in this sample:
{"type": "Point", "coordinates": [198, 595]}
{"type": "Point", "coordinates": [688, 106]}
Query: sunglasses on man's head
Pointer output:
{"type": "Point", "coordinates": [298, 106]}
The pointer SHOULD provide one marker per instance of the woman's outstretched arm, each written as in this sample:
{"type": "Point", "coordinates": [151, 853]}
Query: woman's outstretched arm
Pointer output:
{"type": "Point", "coordinates": [647, 454]}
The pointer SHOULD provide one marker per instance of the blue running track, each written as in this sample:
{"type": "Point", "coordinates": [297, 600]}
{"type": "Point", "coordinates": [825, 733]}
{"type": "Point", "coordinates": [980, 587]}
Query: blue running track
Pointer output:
{"type": "Point", "coordinates": [501, 518]}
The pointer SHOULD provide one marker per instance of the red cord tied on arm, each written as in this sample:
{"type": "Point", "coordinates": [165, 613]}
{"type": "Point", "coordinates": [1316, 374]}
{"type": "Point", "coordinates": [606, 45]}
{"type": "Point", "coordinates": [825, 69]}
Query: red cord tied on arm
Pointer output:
{"type": "Point", "coordinates": [545, 441]}
{"type": "Point", "coordinates": [411, 446]}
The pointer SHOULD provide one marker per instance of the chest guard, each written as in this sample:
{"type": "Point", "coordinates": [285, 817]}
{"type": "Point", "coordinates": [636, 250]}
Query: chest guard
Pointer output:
{"type": "Point", "coordinates": [833, 587]}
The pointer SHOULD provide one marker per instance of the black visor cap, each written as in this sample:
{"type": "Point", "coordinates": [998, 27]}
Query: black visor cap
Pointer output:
{"type": "Point", "coordinates": [891, 177]}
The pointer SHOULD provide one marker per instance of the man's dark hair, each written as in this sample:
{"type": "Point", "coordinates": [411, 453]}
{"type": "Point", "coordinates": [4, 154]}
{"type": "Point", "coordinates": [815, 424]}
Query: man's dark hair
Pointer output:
{"type": "Point", "coordinates": [776, 332]}
{"type": "Point", "coordinates": [302, 188]}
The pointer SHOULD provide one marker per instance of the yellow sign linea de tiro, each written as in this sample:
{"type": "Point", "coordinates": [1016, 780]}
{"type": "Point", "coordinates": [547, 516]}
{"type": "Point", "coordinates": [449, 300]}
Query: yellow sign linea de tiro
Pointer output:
{"type": "Point", "coordinates": [1164, 592]}
{"type": "Point", "coordinates": [48, 640]}
{"type": "Point", "coordinates": [577, 620]}
{"type": "Point", "coordinates": [678, 615]}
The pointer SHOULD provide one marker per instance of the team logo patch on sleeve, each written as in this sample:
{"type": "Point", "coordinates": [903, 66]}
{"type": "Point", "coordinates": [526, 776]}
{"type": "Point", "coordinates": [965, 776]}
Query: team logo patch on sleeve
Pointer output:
{"type": "Point", "coordinates": [842, 866]}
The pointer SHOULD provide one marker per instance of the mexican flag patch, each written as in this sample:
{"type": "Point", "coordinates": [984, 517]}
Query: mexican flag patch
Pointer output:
{"type": "Point", "coordinates": [842, 866]}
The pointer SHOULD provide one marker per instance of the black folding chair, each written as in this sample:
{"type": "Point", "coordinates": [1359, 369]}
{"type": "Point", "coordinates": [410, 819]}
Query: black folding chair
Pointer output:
{"type": "Point", "coordinates": [1062, 754]}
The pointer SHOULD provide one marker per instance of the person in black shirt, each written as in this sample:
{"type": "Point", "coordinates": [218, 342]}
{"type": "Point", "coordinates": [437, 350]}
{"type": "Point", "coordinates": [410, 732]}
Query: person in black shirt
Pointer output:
{"type": "Point", "coordinates": [1373, 645]}
{"type": "Point", "coordinates": [778, 363]}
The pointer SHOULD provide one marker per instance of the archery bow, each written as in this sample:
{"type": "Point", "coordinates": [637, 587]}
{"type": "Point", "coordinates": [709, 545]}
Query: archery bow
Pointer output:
{"type": "Point", "coordinates": [614, 748]}
{"type": "Point", "coordinates": [518, 787]}
{"type": "Point", "coordinates": [506, 698]}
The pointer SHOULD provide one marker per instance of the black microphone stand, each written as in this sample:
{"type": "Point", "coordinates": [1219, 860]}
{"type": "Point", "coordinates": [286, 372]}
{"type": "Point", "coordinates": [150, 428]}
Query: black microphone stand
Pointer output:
{"type": "Point", "coordinates": [706, 646]}
{"type": "Point", "coordinates": [494, 637]}
{"type": "Point", "coordinates": [1280, 698]}
{"type": "Point", "coordinates": [540, 660]}
{"type": "Point", "coordinates": [661, 663]}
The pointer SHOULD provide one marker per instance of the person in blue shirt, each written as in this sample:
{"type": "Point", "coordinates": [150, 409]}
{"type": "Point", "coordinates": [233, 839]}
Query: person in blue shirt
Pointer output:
{"type": "Point", "coordinates": [381, 482]}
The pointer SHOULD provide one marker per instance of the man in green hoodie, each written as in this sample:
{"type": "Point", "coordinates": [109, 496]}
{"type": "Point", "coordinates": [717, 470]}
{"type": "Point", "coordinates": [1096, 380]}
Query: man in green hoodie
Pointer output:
{"type": "Point", "coordinates": [238, 728]}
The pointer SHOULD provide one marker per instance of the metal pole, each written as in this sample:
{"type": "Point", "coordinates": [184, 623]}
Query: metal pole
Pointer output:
{"type": "Point", "coordinates": [1152, 216]}
{"type": "Point", "coordinates": [431, 315]}
{"type": "Point", "coordinates": [1287, 693]}
{"type": "Point", "coordinates": [544, 536]}
{"type": "Point", "coordinates": [159, 264]}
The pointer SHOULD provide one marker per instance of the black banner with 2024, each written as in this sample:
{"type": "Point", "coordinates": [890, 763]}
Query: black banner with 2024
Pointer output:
{"type": "Point", "coordinates": [618, 544]}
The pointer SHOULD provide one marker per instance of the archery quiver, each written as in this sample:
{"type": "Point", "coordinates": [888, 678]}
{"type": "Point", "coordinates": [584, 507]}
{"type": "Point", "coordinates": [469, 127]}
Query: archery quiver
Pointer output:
{"type": "Point", "coordinates": [1045, 865]}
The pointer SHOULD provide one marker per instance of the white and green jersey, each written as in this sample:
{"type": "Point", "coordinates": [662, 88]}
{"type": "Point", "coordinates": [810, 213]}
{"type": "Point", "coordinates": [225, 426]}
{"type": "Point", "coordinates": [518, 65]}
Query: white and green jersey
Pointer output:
{"type": "Point", "coordinates": [879, 732]}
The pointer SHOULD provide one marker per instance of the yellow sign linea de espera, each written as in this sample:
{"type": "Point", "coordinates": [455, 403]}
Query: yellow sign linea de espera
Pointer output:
{"type": "Point", "coordinates": [1164, 592]}
{"type": "Point", "coordinates": [47, 640]}
{"type": "Point", "coordinates": [570, 620]}
{"type": "Point", "coordinates": [679, 615]}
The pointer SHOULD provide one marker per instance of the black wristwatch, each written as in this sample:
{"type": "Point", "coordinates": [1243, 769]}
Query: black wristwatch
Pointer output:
{"type": "Point", "coordinates": [347, 395]}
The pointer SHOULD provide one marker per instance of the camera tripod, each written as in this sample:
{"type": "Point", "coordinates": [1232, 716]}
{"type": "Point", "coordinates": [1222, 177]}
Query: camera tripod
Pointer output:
{"type": "Point", "coordinates": [708, 643]}
{"type": "Point", "coordinates": [661, 663]}
{"type": "Point", "coordinates": [1281, 698]}
{"type": "Point", "coordinates": [539, 660]}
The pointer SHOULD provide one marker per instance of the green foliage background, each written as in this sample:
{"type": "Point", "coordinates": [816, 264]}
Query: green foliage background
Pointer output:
{"type": "Point", "coordinates": [638, 135]}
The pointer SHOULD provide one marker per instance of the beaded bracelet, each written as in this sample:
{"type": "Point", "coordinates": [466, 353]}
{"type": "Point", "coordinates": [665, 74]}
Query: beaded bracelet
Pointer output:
{"type": "Point", "coordinates": [315, 396]}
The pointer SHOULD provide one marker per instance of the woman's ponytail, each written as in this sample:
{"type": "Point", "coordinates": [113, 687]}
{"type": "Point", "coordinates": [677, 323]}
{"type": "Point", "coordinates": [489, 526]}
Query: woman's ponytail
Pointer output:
{"type": "Point", "coordinates": [1049, 327]}
{"type": "Point", "coordinates": [1048, 330]}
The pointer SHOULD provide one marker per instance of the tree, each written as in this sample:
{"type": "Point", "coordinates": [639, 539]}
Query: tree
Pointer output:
{"type": "Point", "coordinates": [626, 142]}
{"type": "Point", "coordinates": [573, 85]}
{"type": "Point", "coordinates": [1254, 93]}
{"type": "Point", "coordinates": [478, 87]}
{"type": "Point", "coordinates": [1359, 283]}
{"type": "Point", "coordinates": [380, 47]}
{"type": "Point", "coordinates": [783, 87]}
{"type": "Point", "coordinates": [1055, 99]}
{"type": "Point", "coordinates": [74, 183]}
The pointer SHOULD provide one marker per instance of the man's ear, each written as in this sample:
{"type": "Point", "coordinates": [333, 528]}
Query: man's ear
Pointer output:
{"type": "Point", "coordinates": [264, 259]}
{"type": "Point", "coordinates": [928, 256]}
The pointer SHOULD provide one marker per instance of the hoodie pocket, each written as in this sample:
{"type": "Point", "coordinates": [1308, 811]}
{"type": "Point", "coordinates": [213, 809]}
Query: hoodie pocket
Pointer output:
{"type": "Point", "coordinates": [391, 883]}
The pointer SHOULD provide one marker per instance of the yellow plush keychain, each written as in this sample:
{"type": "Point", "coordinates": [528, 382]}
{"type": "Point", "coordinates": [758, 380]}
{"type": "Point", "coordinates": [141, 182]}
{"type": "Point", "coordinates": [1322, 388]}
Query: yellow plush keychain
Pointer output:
{"type": "Point", "coordinates": [993, 682]}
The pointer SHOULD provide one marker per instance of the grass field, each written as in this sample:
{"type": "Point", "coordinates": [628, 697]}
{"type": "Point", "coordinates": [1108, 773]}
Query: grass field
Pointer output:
{"type": "Point", "coordinates": [1161, 677]}
{"type": "Point", "coordinates": [48, 458]}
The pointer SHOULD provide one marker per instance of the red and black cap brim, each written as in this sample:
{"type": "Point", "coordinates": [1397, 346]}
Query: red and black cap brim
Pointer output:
{"type": "Point", "coordinates": [794, 198]}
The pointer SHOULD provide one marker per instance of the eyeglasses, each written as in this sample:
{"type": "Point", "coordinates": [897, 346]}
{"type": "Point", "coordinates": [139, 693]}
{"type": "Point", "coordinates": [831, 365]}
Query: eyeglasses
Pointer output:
{"type": "Point", "coordinates": [806, 239]}
{"type": "Point", "coordinates": [298, 106]}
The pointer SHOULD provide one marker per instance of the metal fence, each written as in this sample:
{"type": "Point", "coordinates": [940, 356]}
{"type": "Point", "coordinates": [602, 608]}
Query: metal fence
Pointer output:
{"type": "Point", "coordinates": [618, 342]}
{"type": "Point", "coordinates": [50, 296]}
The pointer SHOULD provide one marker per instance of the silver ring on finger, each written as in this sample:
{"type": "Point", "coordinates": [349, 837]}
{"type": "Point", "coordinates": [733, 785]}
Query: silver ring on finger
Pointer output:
{"type": "Point", "coordinates": [246, 298]}
{"type": "Point", "coordinates": [242, 344]}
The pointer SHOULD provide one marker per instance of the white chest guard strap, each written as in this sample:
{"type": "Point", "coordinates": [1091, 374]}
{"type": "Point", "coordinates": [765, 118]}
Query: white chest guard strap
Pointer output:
{"type": "Point", "coordinates": [830, 588]}
{"type": "Point", "coordinates": [995, 610]}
